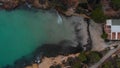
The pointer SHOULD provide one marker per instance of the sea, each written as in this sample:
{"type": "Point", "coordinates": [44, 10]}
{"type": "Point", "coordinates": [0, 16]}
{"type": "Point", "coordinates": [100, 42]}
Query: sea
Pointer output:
{"type": "Point", "coordinates": [22, 31]}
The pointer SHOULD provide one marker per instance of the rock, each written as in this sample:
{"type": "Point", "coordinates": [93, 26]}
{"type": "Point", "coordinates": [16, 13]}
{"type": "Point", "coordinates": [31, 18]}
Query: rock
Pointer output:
{"type": "Point", "coordinates": [40, 4]}
{"type": "Point", "coordinates": [96, 32]}
{"type": "Point", "coordinates": [70, 3]}
{"type": "Point", "coordinates": [10, 4]}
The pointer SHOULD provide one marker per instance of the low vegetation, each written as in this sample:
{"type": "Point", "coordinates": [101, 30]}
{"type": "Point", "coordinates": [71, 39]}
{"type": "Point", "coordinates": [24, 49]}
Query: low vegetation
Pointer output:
{"type": "Point", "coordinates": [108, 65]}
{"type": "Point", "coordinates": [104, 35]}
{"type": "Point", "coordinates": [113, 62]}
{"type": "Point", "coordinates": [58, 4]}
{"type": "Point", "coordinates": [81, 8]}
{"type": "Point", "coordinates": [116, 4]}
{"type": "Point", "coordinates": [84, 59]}
{"type": "Point", "coordinates": [97, 15]}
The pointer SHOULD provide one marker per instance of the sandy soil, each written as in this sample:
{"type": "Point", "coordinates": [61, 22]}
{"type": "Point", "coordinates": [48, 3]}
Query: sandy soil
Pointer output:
{"type": "Point", "coordinates": [47, 62]}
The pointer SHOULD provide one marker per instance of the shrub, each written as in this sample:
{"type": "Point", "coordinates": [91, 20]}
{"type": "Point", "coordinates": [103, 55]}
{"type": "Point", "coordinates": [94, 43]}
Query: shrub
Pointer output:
{"type": "Point", "coordinates": [82, 57]}
{"type": "Point", "coordinates": [97, 15]}
{"type": "Point", "coordinates": [116, 4]}
{"type": "Point", "coordinates": [77, 65]}
{"type": "Point", "coordinates": [93, 57]}
{"type": "Point", "coordinates": [104, 35]}
{"type": "Point", "coordinates": [108, 65]}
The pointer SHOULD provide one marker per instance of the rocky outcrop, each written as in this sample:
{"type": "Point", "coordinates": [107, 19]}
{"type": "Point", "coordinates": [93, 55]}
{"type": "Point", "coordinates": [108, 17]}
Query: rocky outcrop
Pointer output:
{"type": "Point", "coordinates": [70, 3]}
{"type": "Point", "coordinates": [9, 4]}
{"type": "Point", "coordinates": [40, 4]}
{"type": "Point", "coordinates": [87, 37]}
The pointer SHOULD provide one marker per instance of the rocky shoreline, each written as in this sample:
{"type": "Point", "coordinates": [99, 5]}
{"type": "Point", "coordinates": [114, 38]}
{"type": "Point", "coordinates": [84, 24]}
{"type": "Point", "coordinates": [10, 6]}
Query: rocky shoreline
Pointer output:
{"type": "Point", "coordinates": [83, 29]}
{"type": "Point", "coordinates": [65, 7]}
{"type": "Point", "coordinates": [12, 4]}
{"type": "Point", "coordinates": [84, 32]}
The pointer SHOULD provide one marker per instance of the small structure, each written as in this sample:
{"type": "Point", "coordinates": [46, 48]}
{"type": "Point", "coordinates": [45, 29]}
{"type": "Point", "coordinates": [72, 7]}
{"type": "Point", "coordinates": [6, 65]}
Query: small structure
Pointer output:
{"type": "Point", "coordinates": [112, 28]}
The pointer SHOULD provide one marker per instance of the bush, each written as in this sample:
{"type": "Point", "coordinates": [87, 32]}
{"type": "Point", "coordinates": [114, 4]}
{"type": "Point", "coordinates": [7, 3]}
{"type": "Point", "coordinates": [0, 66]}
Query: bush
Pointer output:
{"type": "Point", "coordinates": [104, 35]}
{"type": "Point", "coordinates": [97, 15]}
{"type": "Point", "coordinates": [56, 66]}
{"type": "Point", "coordinates": [59, 4]}
{"type": "Point", "coordinates": [90, 58]}
{"type": "Point", "coordinates": [116, 4]}
{"type": "Point", "coordinates": [82, 57]}
{"type": "Point", "coordinates": [81, 8]}
{"type": "Point", "coordinates": [108, 65]}
{"type": "Point", "coordinates": [93, 57]}
{"type": "Point", "coordinates": [77, 65]}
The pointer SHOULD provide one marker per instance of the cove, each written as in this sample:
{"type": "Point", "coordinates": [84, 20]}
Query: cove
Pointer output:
{"type": "Point", "coordinates": [22, 31]}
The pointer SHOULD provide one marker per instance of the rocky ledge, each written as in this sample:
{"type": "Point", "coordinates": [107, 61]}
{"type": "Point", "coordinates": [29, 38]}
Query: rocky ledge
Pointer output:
{"type": "Point", "coordinates": [87, 37]}
{"type": "Point", "coordinates": [66, 7]}
{"type": "Point", "coordinates": [12, 4]}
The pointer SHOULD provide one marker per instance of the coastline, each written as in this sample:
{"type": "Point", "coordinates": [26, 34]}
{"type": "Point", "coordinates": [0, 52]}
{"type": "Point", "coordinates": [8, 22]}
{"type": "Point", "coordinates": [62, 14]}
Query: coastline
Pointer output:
{"type": "Point", "coordinates": [86, 35]}
{"type": "Point", "coordinates": [84, 42]}
{"type": "Point", "coordinates": [65, 48]}
{"type": "Point", "coordinates": [31, 60]}
{"type": "Point", "coordinates": [48, 62]}
{"type": "Point", "coordinates": [40, 4]}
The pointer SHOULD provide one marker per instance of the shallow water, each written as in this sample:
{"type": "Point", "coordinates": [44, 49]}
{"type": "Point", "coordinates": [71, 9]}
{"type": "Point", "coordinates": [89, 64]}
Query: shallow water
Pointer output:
{"type": "Point", "coordinates": [22, 31]}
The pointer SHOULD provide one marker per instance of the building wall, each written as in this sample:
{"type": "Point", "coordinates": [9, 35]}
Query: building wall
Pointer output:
{"type": "Point", "coordinates": [113, 31]}
{"type": "Point", "coordinates": [115, 28]}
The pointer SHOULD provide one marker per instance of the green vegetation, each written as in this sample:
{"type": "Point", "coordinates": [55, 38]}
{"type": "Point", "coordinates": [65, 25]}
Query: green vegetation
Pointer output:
{"type": "Point", "coordinates": [98, 16]}
{"type": "Point", "coordinates": [113, 62]}
{"type": "Point", "coordinates": [118, 64]}
{"type": "Point", "coordinates": [82, 57]}
{"type": "Point", "coordinates": [81, 8]}
{"type": "Point", "coordinates": [86, 58]}
{"type": "Point", "coordinates": [56, 66]}
{"type": "Point", "coordinates": [73, 62]}
{"type": "Point", "coordinates": [104, 35]}
{"type": "Point", "coordinates": [107, 65]}
{"type": "Point", "coordinates": [77, 65]}
{"type": "Point", "coordinates": [116, 4]}
{"type": "Point", "coordinates": [59, 4]}
{"type": "Point", "coordinates": [117, 60]}
{"type": "Point", "coordinates": [93, 57]}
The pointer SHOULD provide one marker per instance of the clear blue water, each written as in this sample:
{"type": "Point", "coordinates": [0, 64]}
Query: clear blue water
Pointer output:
{"type": "Point", "coordinates": [22, 31]}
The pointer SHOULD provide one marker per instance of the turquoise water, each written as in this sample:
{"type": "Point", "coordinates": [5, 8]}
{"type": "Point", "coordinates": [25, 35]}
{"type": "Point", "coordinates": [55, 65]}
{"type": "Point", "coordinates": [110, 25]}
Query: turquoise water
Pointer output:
{"type": "Point", "coordinates": [22, 31]}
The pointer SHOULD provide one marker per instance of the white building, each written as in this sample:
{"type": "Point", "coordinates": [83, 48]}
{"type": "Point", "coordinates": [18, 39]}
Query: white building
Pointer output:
{"type": "Point", "coordinates": [112, 28]}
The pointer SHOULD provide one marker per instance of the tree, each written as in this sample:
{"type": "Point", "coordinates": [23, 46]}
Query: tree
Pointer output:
{"type": "Point", "coordinates": [118, 64]}
{"type": "Point", "coordinates": [116, 4]}
{"type": "Point", "coordinates": [107, 65]}
{"type": "Point", "coordinates": [77, 65]}
{"type": "Point", "coordinates": [104, 35]}
{"type": "Point", "coordinates": [82, 57]}
{"type": "Point", "coordinates": [59, 4]}
{"type": "Point", "coordinates": [93, 57]}
{"type": "Point", "coordinates": [81, 8]}
{"type": "Point", "coordinates": [117, 60]}
{"type": "Point", "coordinates": [97, 15]}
